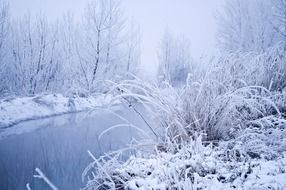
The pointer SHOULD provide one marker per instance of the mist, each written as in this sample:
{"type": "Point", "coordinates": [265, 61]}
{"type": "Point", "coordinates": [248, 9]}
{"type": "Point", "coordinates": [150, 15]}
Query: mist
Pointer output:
{"type": "Point", "coordinates": [142, 94]}
{"type": "Point", "coordinates": [194, 19]}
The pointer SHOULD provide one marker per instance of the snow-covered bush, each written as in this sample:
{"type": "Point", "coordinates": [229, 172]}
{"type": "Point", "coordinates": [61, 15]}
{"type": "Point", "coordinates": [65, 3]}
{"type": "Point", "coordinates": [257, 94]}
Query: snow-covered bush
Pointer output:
{"type": "Point", "coordinates": [263, 141]}
{"type": "Point", "coordinates": [236, 105]}
{"type": "Point", "coordinates": [221, 112]}
{"type": "Point", "coordinates": [164, 106]}
{"type": "Point", "coordinates": [279, 98]}
{"type": "Point", "coordinates": [206, 107]}
{"type": "Point", "coordinates": [159, 170]}
{"type": "Point", "coordinates": [267, 69]}
{"type": "Point", "coordinates": [193, 166]}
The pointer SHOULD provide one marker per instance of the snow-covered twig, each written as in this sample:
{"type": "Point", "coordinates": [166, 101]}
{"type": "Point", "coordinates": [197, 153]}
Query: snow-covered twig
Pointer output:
{"type": "Point", "coordinates": [28, 186]}
{"type": "Point", "coordinates": [42, 176]}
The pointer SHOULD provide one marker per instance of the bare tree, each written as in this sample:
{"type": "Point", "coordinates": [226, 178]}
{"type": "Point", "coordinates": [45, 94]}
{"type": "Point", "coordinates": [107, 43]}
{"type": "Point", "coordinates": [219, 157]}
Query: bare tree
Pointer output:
{"type": "Point", "coordinates": [246, 26]}
{"type": "Point", "coordinates": [74, 56]}
{"type": "Point", "coordinates": [279, 21]}
{"type": "Point", "coordinates": [103, 25]}
{"type": "Point", "coordinates": [4, 44]}
{"type": "Point", "coordinates": [174, 60]}
{"type": "Point", "coordinates": [133, 47]}
{"type": "Point", "coordinates": [35, 55]}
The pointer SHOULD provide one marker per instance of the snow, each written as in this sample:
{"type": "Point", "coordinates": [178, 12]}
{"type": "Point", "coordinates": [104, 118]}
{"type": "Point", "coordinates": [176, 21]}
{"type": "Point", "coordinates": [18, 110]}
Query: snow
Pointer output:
{"type": "Point", "coordinates": [204, 172]}
{"type": "Point", "coordinates": [15, 110]}
{"type": "Point", "coordinates": [228, 165]}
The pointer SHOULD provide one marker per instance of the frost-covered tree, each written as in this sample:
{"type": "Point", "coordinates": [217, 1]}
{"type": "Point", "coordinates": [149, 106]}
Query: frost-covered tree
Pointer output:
{"type": "Point", "coordinates": [74, 74]}
{"type": "Point", "coordinates": [4, 45]}
{"type": "Point", "coordinates": [100, 47]}
{"type": "Point", "coordinates": [35, 62]}
{"type": "Point", "coordinates": [133, 50]}
{"type": "Point", "coordinates": [279, 21]}
{"type": "Point", "coordinates": [246, 26]}
{"type": "Point", "coordinates": [174, 60]}
{"type": "Point", "coordinates": [99, 41]}
{"type": "Point", "coordinates": [252, 33]}
{"type": "Point", "coordinates": [38, 56]}
{"type": "Point", "coordinates": [4, 29]}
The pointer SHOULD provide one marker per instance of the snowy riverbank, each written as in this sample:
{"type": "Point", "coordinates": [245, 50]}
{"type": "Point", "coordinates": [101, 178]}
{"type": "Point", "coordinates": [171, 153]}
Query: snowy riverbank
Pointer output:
{"type": "Point", "coordinates": [15, 110]}
{"type": "Point", "coordinates": [255, 159]}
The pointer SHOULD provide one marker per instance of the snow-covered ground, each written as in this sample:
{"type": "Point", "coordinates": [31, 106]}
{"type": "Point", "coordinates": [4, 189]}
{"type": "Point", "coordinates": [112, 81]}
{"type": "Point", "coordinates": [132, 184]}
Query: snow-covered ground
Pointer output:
{"type": "Point", "coordinates": [255, 160]}
{"type": "Point", "coordinates": [15, 110]}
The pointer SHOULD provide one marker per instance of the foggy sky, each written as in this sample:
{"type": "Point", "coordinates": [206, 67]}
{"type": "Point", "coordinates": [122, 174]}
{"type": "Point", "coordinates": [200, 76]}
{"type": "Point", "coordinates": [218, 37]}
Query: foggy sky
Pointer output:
{"type": "Point", "coordinates": [192, 18]}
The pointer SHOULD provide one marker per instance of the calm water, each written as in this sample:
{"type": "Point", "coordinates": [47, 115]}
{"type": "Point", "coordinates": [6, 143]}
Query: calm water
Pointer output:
{"type": "Point", "coordinates": [58, 146]}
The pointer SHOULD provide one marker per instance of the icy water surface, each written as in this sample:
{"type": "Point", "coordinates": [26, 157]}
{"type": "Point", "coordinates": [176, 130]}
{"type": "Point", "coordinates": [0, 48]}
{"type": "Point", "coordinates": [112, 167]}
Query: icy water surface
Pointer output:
{"type": "Point", "coordinates": [58, 146]}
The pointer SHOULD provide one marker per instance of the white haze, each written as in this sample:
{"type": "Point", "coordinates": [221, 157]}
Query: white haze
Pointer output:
{"type": "Point", "coordinates": [194, 19]}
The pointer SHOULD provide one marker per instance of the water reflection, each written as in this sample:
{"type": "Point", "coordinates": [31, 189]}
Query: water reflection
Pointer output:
{"type": "Point", "coordinates": [58, 146]}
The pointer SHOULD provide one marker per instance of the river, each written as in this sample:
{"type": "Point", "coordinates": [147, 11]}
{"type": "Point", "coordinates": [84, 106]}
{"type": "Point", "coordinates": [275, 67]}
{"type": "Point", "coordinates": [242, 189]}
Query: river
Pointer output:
{"type": "Point", "coordinates": [58, 146]}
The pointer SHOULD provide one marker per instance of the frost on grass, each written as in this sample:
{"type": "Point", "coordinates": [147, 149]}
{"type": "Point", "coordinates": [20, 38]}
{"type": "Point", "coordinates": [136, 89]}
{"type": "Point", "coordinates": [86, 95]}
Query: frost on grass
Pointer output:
{"type": "Point", "coordinates": [192, 166]}
{"type": "Point", "coordinates": [207, 137]}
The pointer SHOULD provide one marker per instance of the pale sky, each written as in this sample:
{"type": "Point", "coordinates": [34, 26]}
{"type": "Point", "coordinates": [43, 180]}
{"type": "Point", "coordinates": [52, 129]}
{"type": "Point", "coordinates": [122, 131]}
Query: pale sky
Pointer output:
{"type": "Point", "coordinates": [192, 18]}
